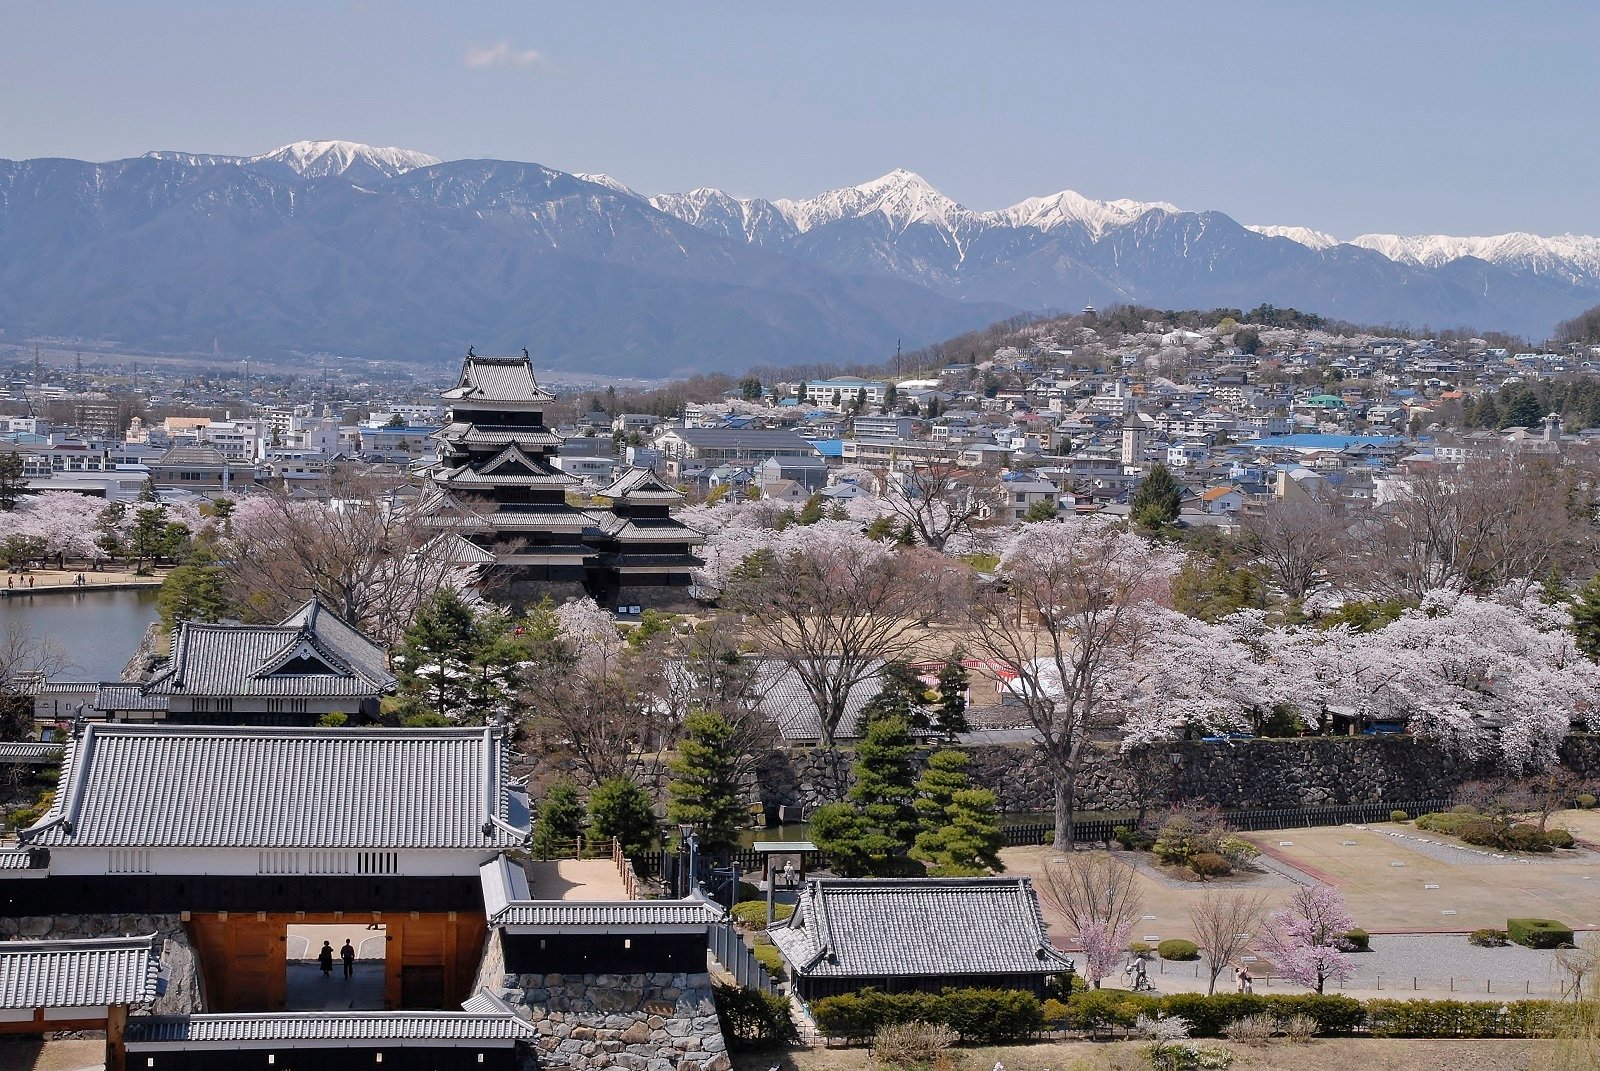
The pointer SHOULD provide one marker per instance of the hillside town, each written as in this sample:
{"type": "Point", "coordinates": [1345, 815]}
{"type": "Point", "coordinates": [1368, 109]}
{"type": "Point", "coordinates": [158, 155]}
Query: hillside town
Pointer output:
{"type": "Point", "coordinates": [487, 726]}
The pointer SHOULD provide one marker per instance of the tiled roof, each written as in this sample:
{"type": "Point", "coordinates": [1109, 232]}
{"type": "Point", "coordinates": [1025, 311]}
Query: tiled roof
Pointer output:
{"type": "Point", "coordinates": [498, 379]}
{"type": "Point", "coordinates": [484, 1021]}
{"type": "Point", "coordinates": [650, 530]}
{"type": "Point", "coordinates": [20, 859]}
{"type": "Point", "coordinates": [497, 435]}
{"type": "Point", "coordinates": [927, 926]}
{"type": "Point", "coordinates": [312, 653]}
{"type": "Point", "coordinates": [246, 787]}
{"type": "Point", "coordinates": [110, 697]}
{"type": "Point", "coordinates": [640, 485]}
{"type": "Point", "coordinates": [79, 974]}
{"type": "Point", "coordinates": [31, 752]}
{"type": "Point", "coordinates": [786, 701]}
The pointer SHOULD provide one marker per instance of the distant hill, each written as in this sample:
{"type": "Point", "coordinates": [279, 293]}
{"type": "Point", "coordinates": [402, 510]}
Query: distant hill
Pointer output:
{"type": "Point", "coordinates": [389, 253]}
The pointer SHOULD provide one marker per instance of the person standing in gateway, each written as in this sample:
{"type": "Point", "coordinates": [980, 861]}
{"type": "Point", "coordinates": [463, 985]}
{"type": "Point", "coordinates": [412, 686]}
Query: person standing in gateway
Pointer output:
{"type": "Point", "coordinates": [325, 959]}
{"type": "Point", "coordinates": [348, 954]}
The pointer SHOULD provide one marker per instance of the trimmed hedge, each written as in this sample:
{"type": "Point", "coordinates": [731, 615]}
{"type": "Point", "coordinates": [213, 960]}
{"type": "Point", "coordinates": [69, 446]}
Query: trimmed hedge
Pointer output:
{"type": "Point", "coordinates": [1176, 948]}
{"type": "Point", "coordinates": [751, 1019]}
{"type": "Point", "coordinates": [1538, 933]}
{"type": "Point", "coordinates": [990, 1016]}
{"type": "Point", "coordinates": [1458, 1018]}
{"type": "Point", "coordinates": [752, 914]}
{"type": "Point", "coordinates": [1332, 1013]}
{"type": "Point", "coordinates": [1359, 940]}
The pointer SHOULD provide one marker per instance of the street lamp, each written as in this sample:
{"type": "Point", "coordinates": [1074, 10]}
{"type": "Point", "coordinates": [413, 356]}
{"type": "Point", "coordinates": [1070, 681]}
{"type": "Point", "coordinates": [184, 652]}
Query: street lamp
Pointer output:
{"type": "Point", "coordinates": [686, 838]}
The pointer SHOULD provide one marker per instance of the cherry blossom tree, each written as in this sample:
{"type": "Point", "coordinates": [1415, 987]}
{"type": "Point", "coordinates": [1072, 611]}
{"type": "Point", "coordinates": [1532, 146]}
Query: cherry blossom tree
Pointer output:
{"type": "Point", "coordinates": [1099, 898]}
{"type": "Point", "coordinates": [1306, 940]}
{"type": "Point", "coordinates": [938, 499]}
{"type": "Point", "coordinates": [1080, 636]}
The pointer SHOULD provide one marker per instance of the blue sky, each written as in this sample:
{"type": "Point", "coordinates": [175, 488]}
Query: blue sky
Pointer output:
{"type": "Point", "coordinates": [1350, 117]}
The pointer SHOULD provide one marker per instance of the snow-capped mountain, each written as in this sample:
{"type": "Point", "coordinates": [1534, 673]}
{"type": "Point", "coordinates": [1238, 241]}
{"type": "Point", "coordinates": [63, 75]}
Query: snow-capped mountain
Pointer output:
{"type": "Point", "coordinates": [320, 246]}
{"type": "Point", "coordinates": [323, 159]}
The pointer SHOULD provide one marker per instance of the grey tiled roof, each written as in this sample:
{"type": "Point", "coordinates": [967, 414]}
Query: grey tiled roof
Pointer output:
{"type": "Point", "coordinates": [245, 787]}
{"type": "Point", "coordinates": [79, 974]}
{"type": "Point", "coordinates": [110, 697]}
{"type": "Point", "coordinates": [786, 701]}
{"type": "Point", "coordinates": [927, 926]}
{"type": "Point", "coordinates": [640, 485]}
{"type": "Point", "coordinates": [498, 435]}
{"type": "Point", "coordinates": [20, 859]}
{"type": "Point", "coordinates": [270, 660]}
{"type": "Point", "coordinates": [649, 530]}
{"type": "Point", "coordinates": [31, 751]}
{"type": "Point", "coordinates": [498, 379]}
{"type": "Point", "coordinates": [556, 915]}
{"type": "Point", "coordinates": [482, 1023]}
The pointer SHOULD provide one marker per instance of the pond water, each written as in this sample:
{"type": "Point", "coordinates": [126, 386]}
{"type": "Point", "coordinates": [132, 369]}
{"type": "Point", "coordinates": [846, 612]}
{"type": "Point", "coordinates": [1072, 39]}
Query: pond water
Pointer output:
{"type": "Point", "coordinates": [99, 630]}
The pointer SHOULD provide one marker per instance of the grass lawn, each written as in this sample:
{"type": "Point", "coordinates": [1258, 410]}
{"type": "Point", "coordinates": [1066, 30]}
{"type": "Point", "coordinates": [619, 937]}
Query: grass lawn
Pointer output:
{"type": "Point", "coordinates": [1338, 1054]}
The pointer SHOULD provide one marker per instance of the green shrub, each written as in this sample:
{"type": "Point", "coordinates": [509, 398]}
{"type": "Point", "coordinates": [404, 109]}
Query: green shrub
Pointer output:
{"type": "Point", "coordinates": [1360, 940]}
{"type": "Point", "coordinates": [1134, 840]}
{"type": "Point", "coordinates": [770, 958]}
{"type": "Point", "coordinates": [989, 1016]}
{"type": "Point", "coordinates": [1054, 1013]}
{"type": "Point", "coordinates": [1209, 864]}
{"type": "Point", "coordinates": [1399, 816]}
{"type": "Point", "coordinates": [1538, 933]}
{"type": "Point", "coordinates": [1560, 838]}
{"type": "Point", "coordinates": [752, 914]}
{"type": "Point", "coordinates": [1176, 948]}
{"type": "Point", "coordinates": [1586, 801]}
{"type": "Point", "coordinates": [1463, 808]}
{"type": "Point", "coordinates": [1457, 1018]}
{"type": "Point", "coordinates": [1139, 948]}
{"type": "Point", "coordinates": [1236, 850]}
{"type": "Point", "coordinates": [1488, 938]}
{"type": "Point", "coordinates": [1524, 837]}
{"type": "Point", "coordinates": [1099, 1010]}
{"type": "Point", "coordinates": [751, 1019]}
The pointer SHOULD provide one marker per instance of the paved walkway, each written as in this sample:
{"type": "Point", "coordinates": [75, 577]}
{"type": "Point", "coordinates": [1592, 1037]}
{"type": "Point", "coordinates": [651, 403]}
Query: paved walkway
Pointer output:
{"type": "Point", "coordinates": [308, 989]}
{"type": "Point", "coordinates": [575, 879]}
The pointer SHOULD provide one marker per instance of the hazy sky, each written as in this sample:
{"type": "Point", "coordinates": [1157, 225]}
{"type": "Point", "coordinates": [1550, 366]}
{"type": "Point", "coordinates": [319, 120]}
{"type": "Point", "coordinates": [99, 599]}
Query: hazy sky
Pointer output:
{"type": "Point", "coordinates": [1459, 116]}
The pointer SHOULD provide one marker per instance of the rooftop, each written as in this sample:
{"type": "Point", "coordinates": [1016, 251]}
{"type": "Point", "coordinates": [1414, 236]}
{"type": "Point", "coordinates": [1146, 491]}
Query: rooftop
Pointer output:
{"type": "Point", "coordinates": [78, 974]}
{"type": "Point", "coordinates": [245, 787]}
{"type": "Point", "coordinates": [930, 926]}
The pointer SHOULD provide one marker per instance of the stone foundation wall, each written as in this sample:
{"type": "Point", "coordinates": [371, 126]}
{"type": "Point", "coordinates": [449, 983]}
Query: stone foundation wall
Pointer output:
{"type": "Point", "coordinates": [1242, 774]}
{"type": "Point", "coordinates": [180, 966]}
{"type": "Point", "coordinates": [638, 1022]}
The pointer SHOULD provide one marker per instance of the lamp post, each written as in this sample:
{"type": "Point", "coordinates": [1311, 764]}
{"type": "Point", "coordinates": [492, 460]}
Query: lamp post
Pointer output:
{"type": "Point", "coordinates": [686, 837]}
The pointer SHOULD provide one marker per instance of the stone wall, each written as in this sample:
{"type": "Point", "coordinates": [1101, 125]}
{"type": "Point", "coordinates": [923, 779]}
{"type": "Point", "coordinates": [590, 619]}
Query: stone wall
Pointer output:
{"type": "Point", "coordinates": [639, 1022]}
{"type": "Point", "coordinates": [1241, 774]}
{"type": "Point", "coordinates": [179, 964]}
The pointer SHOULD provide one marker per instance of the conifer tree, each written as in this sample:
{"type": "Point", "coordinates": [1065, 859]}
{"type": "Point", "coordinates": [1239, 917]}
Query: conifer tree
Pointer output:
{"type": "Point", "coordinates": [704, 790]}
{"type": "Point", "coordinates": [959, 826]}
{"type": "Point", "coordinates": [619, 808]}
{"type": "Point", "coordinates": [872, 832]}
{"type": "Point", "coordinates": [900, 695]}
{"type": "Point", "coordinates": [560, 820]}
{"type": "Point", "coordinates": [1586, 619]}
{"type": "Point", "coordinates": [1156, 503]}
{"type": "Point", "coordinates": [950, 714]}
{"type": "Point", "coordinates": [435, 656]}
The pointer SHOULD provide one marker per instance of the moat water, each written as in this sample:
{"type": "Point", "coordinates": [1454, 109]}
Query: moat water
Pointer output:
{"type": "Point", "coordinates": [98, 630]}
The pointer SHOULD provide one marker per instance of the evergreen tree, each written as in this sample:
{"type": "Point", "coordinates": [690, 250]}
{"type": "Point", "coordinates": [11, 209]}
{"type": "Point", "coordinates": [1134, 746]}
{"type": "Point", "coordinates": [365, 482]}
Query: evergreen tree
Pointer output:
{"type": "Point", "coordinates": [960, 828]}
{"type": "Point", "coordinates": [619, 808]}
{"type": "Point", "coordinates": [811, 512]}
{"type": "Point", "coordinates": [907, 536]}
{"type": "Point", "coordinates": [1521, 410]}
{"type": "Point", "coordinates": [1488, 413]}
{"type": "Point", "coordinates": [901, 694]}
{"type": "Point", "coordinates": [882, 528]}
{"type": "Point", "coordinates": [148, 535]}
{"type": "Point", "coordinates": [842, 832]}
{"type": "Point", "coordinates": [704, 790]}
{"type": "Point", "coordinates": [750, 388]}
{"type": "Point", "coordinates": [1586, 619]}
{"type": "Point", "coordinates": [436, 655]}
{"type": "Point", "coordinates": [13, 485]}
{"type": "Point", "coordinates": [1155, 504]}
{"type": "Point", "coordinates": [560, 820]}
{"type": "Point", "coordinates": [886, 787]}
{"type": "Point", "coordinates": [194, 591]}
{"type": "Point", "coordinates": [891, 397]}
{"type": "Point", "coordinates": [950, 713]}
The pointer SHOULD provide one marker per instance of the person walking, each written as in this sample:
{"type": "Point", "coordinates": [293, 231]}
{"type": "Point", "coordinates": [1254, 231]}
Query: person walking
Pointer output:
{"type": "Point", "coordinates": [1238, 979]}
{"type": "Point", "coordinates": [348, 954]}
{"type": "Point", "coordinates": [325, 958]}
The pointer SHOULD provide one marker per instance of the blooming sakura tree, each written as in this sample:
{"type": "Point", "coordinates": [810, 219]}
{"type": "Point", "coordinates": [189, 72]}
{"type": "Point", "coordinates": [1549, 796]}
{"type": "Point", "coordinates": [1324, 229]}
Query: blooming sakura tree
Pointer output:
{"type": "Point", "coordinates": [1306, 940]}
{"type": "Point", "coordinates": [1099, 898]}
{"type": "Point", "coordinates": [1076, 613]}
{"type": "Point", "coordinates": [1497, 676]}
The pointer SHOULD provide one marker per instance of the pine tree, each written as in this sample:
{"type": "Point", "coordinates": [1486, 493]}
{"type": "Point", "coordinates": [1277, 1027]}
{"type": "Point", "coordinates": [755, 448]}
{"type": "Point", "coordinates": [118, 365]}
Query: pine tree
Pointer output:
{"type": "Point", "coordinates": [13, 485]}
{"type": "Point", "coordinates": [1488, 414]}
{"type": "Point", "coordinates": [619, 808]}
{"type": "Point", "coordinates": [950, 713]}
{"type": "Point", "coordinates": [960, 829]}
{"type": "Point", "coordinates": [1586, 619]}
{"type": "Point", "coordinates": [194, 591]}
{"type": "Point", "coordinates": [435, 656]}
{"type": "Point", "coordinates": [1156, 503]}
{"type": "Point", "coordinates": [901, 694]}
{"type": "Point", "coordinates": [560, 820]}
{"type": "Point", "coordinates": [886, 788]}
{"type": "Point", "coordinates": [704, 790]}
{"type": "Point", "coordinates": [811, 512]}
